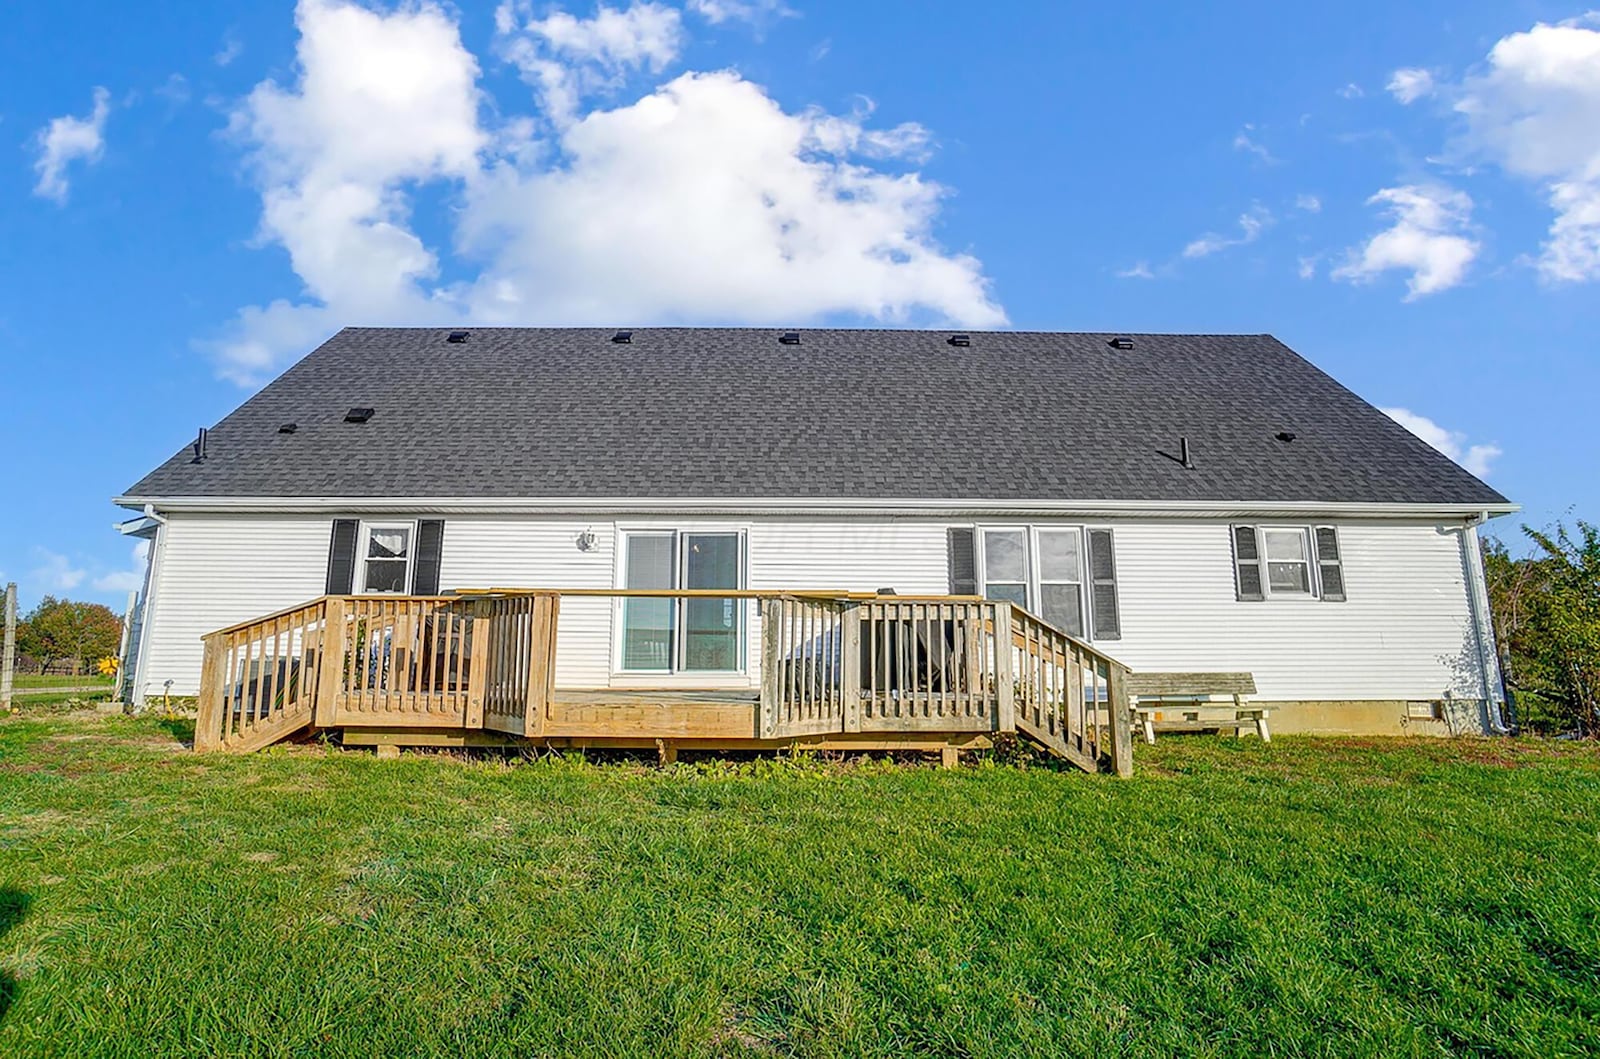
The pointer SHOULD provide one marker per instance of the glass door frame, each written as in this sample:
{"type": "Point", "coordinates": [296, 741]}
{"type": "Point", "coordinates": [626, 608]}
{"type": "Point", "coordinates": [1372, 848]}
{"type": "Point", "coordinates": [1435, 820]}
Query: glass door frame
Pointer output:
{"type": "Point", "coordinates": [682, 535]}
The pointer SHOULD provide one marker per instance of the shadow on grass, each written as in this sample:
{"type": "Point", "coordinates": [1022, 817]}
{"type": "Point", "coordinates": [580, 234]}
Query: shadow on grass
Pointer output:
{"type": "Point", "coordinates": [180, 728]}
{"type": "Point", "coordinates": [13, 906]}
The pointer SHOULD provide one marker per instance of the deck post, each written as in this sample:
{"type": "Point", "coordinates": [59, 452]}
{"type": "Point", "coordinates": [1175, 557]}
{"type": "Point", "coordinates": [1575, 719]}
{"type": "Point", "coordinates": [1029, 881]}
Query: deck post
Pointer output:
{"type": "Point", "coordinates": [209, 718]}
{"type": "Point", "coordinates": [1121, 719]}
{"type": "Point", "coordinates": [771, 666]}
{"type": "Point", "coordinates": [481, 630]}
{"type": "Point", "coordinates": [1004, 678]}
{"type": "Point", "coordinates": [850, 665]}
{"type": "Point", "coordinates": [541, 630]}
{"type": "Point", "coordinates": [330, 664]}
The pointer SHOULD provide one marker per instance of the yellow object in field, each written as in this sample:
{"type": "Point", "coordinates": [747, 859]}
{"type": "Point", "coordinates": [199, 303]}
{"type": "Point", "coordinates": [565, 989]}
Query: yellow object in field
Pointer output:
{"type": "Point", "coordinates": [108, 666]}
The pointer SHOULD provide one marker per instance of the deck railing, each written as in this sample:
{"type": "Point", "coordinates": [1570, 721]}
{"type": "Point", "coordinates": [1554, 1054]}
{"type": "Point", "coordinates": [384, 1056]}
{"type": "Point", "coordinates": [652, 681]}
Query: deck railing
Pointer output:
{"type": "Point", "coordinates": [828, 662]}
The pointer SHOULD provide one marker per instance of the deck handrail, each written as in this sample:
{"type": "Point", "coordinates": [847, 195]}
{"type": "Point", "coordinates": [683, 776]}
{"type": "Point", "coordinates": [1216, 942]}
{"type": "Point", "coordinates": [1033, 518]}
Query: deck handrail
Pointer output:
{"type": "Point", "coordinates": [830, 662]}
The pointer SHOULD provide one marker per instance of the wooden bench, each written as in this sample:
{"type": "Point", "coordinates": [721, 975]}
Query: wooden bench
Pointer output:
{"type": "Point", "coordinates": [1188, 695]}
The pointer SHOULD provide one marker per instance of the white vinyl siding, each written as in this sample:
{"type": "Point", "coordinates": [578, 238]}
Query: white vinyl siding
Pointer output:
{"type": "Point", "coordinates": [1405, 632]}
{"type": "Point", "coordinates": [216, 570]}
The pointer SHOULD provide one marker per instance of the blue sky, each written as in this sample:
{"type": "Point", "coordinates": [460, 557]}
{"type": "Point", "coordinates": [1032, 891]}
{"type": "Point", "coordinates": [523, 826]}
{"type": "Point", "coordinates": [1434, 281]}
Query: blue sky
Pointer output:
{"type": "Point", "coordinates": [196, 194]}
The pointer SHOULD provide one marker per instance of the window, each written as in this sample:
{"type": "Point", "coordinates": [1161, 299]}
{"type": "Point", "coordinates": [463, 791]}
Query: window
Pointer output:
{"type": "Point", "coordinates": [1005, 565]}
{"type": "Point", "coordinates": [386, 558]}
{"type": "Point", "coordinates": [1061, 579]}
{"type": "Point", "coordinates": [1042, 570]}
{"type": "Point", "coordinates": [1288, 562]}
{"type": "Point", "coordinates": [699, 634]}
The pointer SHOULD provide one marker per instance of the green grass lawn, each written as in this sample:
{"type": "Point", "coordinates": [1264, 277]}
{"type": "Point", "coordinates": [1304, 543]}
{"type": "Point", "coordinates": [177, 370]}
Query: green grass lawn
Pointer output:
{"type": "Point", "coordinates": [1311, 897]}
{"type": "Point", "coordinates": [58, 680]}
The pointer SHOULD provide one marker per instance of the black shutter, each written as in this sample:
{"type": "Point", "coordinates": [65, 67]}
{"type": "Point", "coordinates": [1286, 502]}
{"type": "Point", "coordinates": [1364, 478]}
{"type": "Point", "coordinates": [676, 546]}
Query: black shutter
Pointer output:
{"type": "Point", "coordinates": [342, 556]}
{"type": "Point", "coordinates": [963, 563]}
{"type": "Point", "coordinates": [425, 570]}
{"type": "Point", "coordinates": [1107, 621]}
{"type": "Point", "coordinates": [1330, 564]}
{"type": "Point", "coordinates": [1247, 580]}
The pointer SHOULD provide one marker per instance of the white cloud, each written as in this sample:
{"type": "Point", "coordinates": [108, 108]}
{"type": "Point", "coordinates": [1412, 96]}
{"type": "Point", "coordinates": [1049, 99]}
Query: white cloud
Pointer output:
{"type": "Point", "coordinates": [753, 11]}
{"type": "Point", "coordinates": [129, 580]}
{"type": "Point", "coordinates": [1251, 225]}
{"type": "Point", "coordinates": [1426, 239]}
{"type": "Point", "coordinates": [1410, 84]}
{"type": "Point", "coordinates": [231, 49]}
{"type": "Point", "coordinates": [1243, 142]}
{"type": "Point", "coordinates": [1476, 459]}
{"type": "Point", "coordinates": [1306, 266]}
{"type": "Point", "coordinates": [621, 230]}
{"type": "Point", "coordinates": [1308, 203]}
{"type": "Point", "coordinates": [1138, 270]}
{"type": "Point", "coordinates": [702, 200]}
{"type": "Point", "coordinates": [382, 102]}
{"type": "Point", "coordinates": [1535, 111]}
{"type": "Point", "coordinates": [567, 58]}
{"type": "Point", "coordinates": [1351, 91]}
{"type": "Point", "coordinates": [175, 90]}
{"type": "Point", "coordinates": [55, 572]}
{"type": "Point", "coordinates": [68, 139]}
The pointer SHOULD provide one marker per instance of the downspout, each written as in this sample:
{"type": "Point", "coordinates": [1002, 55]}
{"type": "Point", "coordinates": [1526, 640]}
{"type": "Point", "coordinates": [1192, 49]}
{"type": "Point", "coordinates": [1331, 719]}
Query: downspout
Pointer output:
{"type": "Point", "coordinates": [152, 566]}
{"type": "Point", "coordinates": [1483, 624]}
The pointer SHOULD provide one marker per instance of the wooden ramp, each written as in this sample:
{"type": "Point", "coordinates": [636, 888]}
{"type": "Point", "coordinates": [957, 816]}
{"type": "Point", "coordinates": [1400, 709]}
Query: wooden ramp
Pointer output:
{"type": "Point", "coordinates": [837, 670]}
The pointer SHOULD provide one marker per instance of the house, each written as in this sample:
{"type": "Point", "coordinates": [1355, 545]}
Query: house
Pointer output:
{"type": "Point", "coordinates": [1172, 502]}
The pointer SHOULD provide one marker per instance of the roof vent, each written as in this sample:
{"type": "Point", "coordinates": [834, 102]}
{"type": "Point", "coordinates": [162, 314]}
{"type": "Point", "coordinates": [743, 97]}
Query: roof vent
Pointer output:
{"type": "Point", "coordinates": [358, 415]}
{"type": "Point", "coordinates": [457, 337]}
{"type": "Point", "coordinates": [288, 428]}
{"type": "Point", "coordinates": [960, 340]}
{"type": "Point", "coordinates": [790, 338]}
{"type": "Point", "coordinates": [622, 338]}
{"type": "Point", "coordinates": [1285, 435]}
{"type": "Point", "coordinates": [199, 445]}
{"type": "Point", "coordinates": [1121, 343]}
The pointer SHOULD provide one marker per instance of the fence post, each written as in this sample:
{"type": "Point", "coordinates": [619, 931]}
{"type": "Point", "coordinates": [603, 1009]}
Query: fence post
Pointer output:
{"type": "Point", "coordinates": [850, 665]}
{"type": "Point", "coordinates": [8, 652]}
{"type": "Point", "coordinates": [1121, 720]}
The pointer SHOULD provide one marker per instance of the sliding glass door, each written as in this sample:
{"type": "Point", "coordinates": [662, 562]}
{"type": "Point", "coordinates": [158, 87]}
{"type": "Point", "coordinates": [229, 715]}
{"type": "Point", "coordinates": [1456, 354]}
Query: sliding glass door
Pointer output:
{"type": "Point", "coordinates": [698, 634]}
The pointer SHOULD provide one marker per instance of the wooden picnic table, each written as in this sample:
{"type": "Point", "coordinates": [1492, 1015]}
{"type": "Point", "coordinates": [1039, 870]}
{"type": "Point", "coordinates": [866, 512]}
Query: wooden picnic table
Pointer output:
{"type": "Point", "coordinates": [1185, 702]}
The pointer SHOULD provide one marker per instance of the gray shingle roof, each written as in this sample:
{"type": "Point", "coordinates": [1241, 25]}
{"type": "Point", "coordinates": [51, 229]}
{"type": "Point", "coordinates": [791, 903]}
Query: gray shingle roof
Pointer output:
{"type": "Point", "coordinates": [730, 412]}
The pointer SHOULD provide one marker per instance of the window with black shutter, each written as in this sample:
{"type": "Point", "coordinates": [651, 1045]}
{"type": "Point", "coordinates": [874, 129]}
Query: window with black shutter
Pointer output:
{"type": "Point", "coordinates": [1287, 562]}
{"type": "Point", "coordinates": [1064, 574]}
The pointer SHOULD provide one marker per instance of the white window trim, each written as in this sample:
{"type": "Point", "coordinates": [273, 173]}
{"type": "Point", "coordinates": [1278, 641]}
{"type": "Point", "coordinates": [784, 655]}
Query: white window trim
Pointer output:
{"type": "Point", "coordinates": [1308, 539]}
{"type": "Point", "coordinates": [1032, 581]}
{"type": "Point", "coordinates": [739, 677]}
{"type": "Point", "coordinates": [364, 543]}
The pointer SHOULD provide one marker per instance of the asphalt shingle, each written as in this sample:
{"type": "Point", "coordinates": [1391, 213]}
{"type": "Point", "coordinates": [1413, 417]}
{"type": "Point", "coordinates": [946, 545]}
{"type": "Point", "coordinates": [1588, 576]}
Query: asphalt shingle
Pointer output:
{"type": "Point", "coordinates": [731, 412]}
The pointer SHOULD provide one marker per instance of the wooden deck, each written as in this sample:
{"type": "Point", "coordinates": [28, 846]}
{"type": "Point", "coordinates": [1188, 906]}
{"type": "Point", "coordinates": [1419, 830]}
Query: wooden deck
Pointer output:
{"type": "Point", "coordinates": [837, 671]}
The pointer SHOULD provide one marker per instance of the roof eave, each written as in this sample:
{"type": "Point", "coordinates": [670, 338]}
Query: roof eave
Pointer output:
{"type": "Point", "coordinates": [913, 506]}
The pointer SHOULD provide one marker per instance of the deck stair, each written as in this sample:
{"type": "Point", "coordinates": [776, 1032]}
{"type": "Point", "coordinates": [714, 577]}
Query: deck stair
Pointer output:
{"type": "Point", "coordinates": [837, 670]}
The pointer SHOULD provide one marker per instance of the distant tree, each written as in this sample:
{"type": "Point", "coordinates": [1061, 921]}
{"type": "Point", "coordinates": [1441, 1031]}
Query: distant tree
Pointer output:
{"type": "Point", "coordinates": [1546, 611]}
{"type": "Point", "coordinates": [58, 629]}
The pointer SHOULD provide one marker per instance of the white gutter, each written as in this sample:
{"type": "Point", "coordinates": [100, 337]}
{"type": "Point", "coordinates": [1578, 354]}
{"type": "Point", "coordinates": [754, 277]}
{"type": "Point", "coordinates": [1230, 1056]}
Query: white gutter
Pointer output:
{"type": "Point", "coordinates": [950, 507]}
